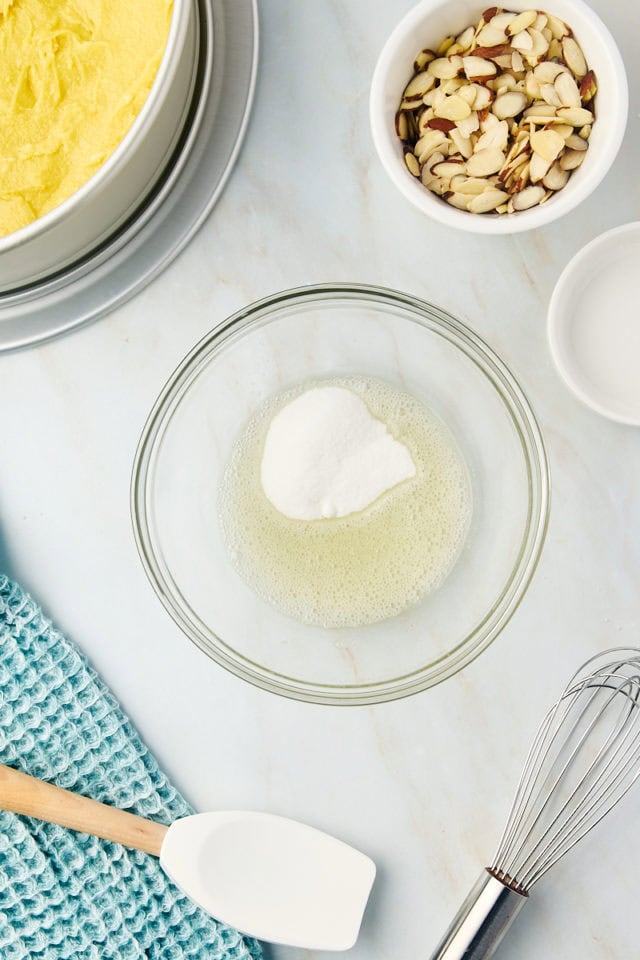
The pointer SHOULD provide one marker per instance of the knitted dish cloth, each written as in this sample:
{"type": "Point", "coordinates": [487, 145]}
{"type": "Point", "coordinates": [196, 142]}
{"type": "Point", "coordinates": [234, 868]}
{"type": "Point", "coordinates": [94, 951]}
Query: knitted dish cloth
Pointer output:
{"type": "Point", "coordinates": [65, 894]}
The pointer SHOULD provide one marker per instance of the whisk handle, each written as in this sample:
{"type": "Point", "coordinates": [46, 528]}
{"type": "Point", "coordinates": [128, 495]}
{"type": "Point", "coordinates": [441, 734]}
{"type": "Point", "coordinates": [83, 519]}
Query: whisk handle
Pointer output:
{"type": "Point", "coordinates": [481, 922]}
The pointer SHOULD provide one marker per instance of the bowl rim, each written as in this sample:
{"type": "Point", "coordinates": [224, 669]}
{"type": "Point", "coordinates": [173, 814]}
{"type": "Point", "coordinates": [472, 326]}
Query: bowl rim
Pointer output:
{"type": "Point", "coordinates": [162, 81]}
{"type": "Point", "coordinates": [433, 319]}
{"type": "Point", "coordinates": [385, 139]}
{"type": "Point", "coordinates": [557, 320]}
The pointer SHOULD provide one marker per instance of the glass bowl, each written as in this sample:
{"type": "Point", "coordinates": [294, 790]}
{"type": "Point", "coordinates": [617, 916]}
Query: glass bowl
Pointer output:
{"type": "Point", "coordinates": [309, 334]}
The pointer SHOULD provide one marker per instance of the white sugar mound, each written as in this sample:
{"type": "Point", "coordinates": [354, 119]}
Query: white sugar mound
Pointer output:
{"type": "Point", "coordinates": [326, 456]}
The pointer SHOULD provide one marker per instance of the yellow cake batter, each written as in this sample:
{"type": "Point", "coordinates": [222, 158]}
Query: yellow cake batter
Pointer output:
{"type": "Point", "coordinates": [74, 75]}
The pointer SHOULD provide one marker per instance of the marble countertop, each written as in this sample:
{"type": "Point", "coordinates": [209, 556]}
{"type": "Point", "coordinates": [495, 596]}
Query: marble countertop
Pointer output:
{"type": "Point", "coordinates": [423, 785]}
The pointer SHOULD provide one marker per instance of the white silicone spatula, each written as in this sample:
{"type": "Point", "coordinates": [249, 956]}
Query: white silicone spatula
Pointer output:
{"type": "Point", "coordinates": [270, 877]}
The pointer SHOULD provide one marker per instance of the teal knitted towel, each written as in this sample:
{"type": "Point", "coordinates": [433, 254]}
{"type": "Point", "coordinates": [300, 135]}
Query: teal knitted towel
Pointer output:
{"type": "Point", "coordinates": [64, 894]}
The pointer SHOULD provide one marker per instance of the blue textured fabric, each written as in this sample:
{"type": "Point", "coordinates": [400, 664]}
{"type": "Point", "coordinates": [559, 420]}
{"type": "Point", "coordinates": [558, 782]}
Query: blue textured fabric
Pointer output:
{"type": "Point", "coordinates": [64, 894]}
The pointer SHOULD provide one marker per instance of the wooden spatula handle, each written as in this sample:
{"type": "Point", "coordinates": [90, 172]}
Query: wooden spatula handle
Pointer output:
{"type": "Point", "coordinates": [20, 793]}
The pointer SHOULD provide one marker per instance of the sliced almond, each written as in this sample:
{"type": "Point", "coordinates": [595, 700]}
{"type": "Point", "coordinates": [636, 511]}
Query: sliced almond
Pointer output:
{"type": "Point", "coordinates": [495, 136]}
{"type": "Point", "coordinates": [539, 42]}
{"type": "Point", "coordinates": [576, 116]}
{"type": "Point", "coordinates": [489, 200]}
{"type": "Point", "coordinates": [455, 48]}
{"type": "Point", "coordinates": [468, 93]}
{"type": "Point", "coordinates": [472, 185]}
{"type": "Point", "coordinates": [441, 123]}
{"type": "Point", "coordinates": [444, 45]}
{"type": "Point", "coordinates": [466, 38]}
{"type": "Point", "coordinates": [503, 83]}
{"type": "Point", "coordinates": [442, 69]}
{"type": "Point", "coordinates": [489, 120]}
{"type": "Point", "coordinates": [521, 22]}
{"type": "Point", "coordinates": [428, 144]}
{"type": "Point", "coordinates": [483, 97]}
{"type": "Point", "coordinates": [574, 142]}
{"type": "Point", "coordinates": [514, 156]}
{"type": "Point", "coordinates": [517, 176]}
{"type": "Point", "coordinates": [476, 68]}
{"type": "Point", "coordinates": [441, 187]}
{"type": "Point", "coordinates": [555, 51]}
{"type": "Point", "coordinates": [549, 94]}
{"type": "Point", "coordinates": [531, 86]}
{"type": "Point", "coordinates": [426, 174]}
{"type": "Point", "coordinates": [491, 36]}
{"type": "Point", "coordinates": [453, 108]}
{"type": "Point", "coordinates": [547, 71]}
{"type": "Point", "coordinates": [522, 41]}
{"type": "Point", "coordinates": [448, 169]}
{"type": "Point", "coordinates": [588, 87]}
{"type": "Point", "coordinates": [412, 163]}
{"type": "Point", "coordinates": [556, 177]}
{"type": "Point", "coordinates": [523, 176]}
{"type": "Point", "coordinates": [574, 57]}
{"type": "Point", "coordinates": [502, 19]}
{"type": "Point", "coordinates": [436, 96]}
{"type": "Point", "coordinates": [423, 58]}
{"type": "Point", "coordinates": [538, 167]}
{"type": "Point", "coordinates": [462, 144]}
{"type": "Point", "coordinates": [420, 85]}
{"type": "Point", "coordinates": [567, 90]}
{"type": "Point", "coordinates": [517, 63]}
{"type": "Point", "coordinates": [547, 143]}
{"type": "Point", "coordinates": [509, 104]}
{"type": "Point", "coordinates": [540, 22]}
{"type": "Point", "coordinates": [571, 159]}
{"type": "Point", "coordinates": [423, 121]}
{"type": "Point", "coordinates": [496, 53]}
{"type": "Point", "coordinates": [459, 200]}
{"type": "Point", "coordinates": [504, 61]}
{"type": "Point", "coordinates": [402, 127]}
{"type": "Point", "coordinates": [558, 27]}
{"type": "Point", "coordinates": [529, 197]}
{"type": "Point", "coordinates": [485, 162]}
{"type": "Point", "coordinates": [469, 125]}
{"type": "Point", "coordinates": [452, 86]}
{"type": "Point", "coordinates": [563, 129]}
{"type": "Point", "coordinates": [540, 110]}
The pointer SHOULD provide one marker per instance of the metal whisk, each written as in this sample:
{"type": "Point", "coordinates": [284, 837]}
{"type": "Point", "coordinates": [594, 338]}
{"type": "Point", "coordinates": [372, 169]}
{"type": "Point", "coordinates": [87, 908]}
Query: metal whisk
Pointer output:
{"type": "Point", "coordinates": [584, 758]}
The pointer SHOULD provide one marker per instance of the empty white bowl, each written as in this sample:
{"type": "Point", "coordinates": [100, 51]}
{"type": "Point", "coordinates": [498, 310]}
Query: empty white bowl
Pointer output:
{"type": "Point", "coordinates": [430, 22]}
{"type": "Point", "coordinates": [95, 211]}
{"type": "Point", "coordinates": [593, 326]}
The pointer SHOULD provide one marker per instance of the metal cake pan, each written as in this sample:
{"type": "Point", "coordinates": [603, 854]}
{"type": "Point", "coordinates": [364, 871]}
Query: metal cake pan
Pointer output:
{"type": "Point", "coordinates": [179, 203]}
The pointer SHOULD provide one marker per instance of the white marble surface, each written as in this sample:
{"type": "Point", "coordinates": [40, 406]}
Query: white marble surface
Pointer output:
{"type": "Point", "coordinates": [423, 785]}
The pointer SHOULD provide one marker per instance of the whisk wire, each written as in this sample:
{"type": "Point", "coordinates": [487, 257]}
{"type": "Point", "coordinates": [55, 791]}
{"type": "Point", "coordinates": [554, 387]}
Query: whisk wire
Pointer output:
{"type": "Point", "coordinates": [583, 759]}
{"type": "Point", "coordinates": [593, 796]}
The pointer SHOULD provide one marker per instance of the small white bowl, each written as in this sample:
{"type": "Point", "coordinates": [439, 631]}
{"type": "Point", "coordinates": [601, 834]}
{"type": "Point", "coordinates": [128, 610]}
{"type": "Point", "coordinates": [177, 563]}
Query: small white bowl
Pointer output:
{"type": "Point", "coordinates": [425, 26]}
{"type": "Point", "coordinates": [119, 186]}
{"type": "Point", "coordinates": [593, 325]}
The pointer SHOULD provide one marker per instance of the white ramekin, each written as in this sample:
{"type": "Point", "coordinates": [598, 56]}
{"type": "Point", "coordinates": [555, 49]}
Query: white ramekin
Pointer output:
{"type": "Point", "coordinates": [103, 203]}
{"type": "Point", "coordinates": [425, 26]}
{"type": "Point", "coordinates": [592, 326]}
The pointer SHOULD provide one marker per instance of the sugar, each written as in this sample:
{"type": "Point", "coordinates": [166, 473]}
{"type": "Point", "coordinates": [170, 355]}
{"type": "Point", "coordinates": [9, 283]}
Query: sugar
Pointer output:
{"type": "Point", "coordinates": [326, 456]}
